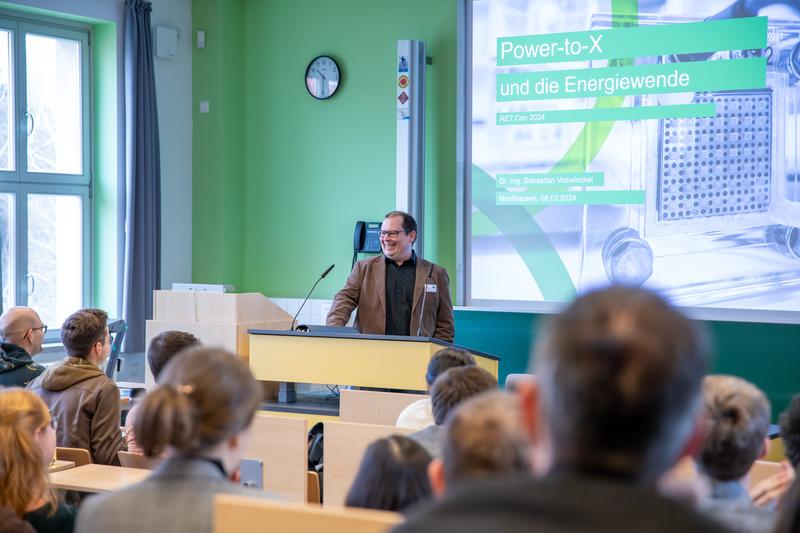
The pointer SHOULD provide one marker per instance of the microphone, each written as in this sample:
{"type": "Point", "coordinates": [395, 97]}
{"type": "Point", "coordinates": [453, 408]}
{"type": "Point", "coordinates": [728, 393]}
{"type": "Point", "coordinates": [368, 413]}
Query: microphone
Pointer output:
{"type": "Point", "coordinates": [327, 271]}
{"type": "Point", "coordinates": [424, 294]}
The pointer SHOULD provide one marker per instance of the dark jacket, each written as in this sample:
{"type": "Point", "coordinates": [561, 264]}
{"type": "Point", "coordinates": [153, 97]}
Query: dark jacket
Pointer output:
{"type": "Point", "coordinates": [86, 405]}
{"type": "Point", "coordinates": [17, 369]}
{"type": "Point", "coordinates": [366, 290]}
{"type": "Point", "coordinates": [557, 503]}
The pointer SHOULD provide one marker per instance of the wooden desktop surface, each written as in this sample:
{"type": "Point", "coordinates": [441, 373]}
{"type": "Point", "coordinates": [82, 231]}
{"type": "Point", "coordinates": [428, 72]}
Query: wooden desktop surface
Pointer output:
{"type": "Point", "coordinates": [58, 466]}
{"type": "Point", "coordinates": [97, 478]}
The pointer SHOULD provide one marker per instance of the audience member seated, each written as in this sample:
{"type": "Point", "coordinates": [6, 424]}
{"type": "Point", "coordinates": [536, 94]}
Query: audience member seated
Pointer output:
{"type": "Point", "coordinates": [27, 446]}
{"type": "Point", "coordinates": [162, 348]}
{"type": "Point", "coordinates": [483, 438]}
{"type": "Point", "coordinates": [450, 389]}
{"type": "Point", "coordinates": [616, 403]}
{"type": "Point", "coordinates": [419, 414]}
{"type": "Point", "coordinates": [22, 334]}
{"type": "Point", "coordinates": [392, 476]}
{"type": "Point", "coordinates": [738, 416]}
{"type": "Point", "coordinates": [84, 401]}
{"type": "Point", "coordinates": [199, 417]}
{"type": "Point", "coordinates": [769, 492]}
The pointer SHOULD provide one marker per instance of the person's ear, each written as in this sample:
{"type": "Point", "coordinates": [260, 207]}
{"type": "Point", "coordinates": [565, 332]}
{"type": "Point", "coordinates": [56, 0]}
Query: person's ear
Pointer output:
{"type": "Point", "coordinates": [528, 396]}
{"type": "Point", "coordinates": [436, 477]}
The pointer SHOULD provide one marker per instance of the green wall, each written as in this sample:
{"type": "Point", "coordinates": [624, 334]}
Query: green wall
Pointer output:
{"type": "Point", "coordinates": [765, 354]}
{"type": "Point", "coordinates": [217, 144]}
{"type": "Point", "coordinates": [281, 178]}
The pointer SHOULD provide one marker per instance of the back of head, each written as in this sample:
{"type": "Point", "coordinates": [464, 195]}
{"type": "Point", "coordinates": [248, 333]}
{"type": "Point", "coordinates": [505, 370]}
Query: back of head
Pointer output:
{"type": "Point", "coordinates": [790, 431]}
{"type": "Point", "coordinates": [446, 359]}
{"type": "Point", "coordinates": [738, 414]}
{"type": "Point", "coordinates": [456, 385]}
{"type": "Point", "coordinates": [393, 475]}
{"type": "Point", "coordinates": [23, 477]}
{"type": "Point", "coordinates": [484, 437]}
{"type": "Point", "coordinates": [204, 396]}
{"type": "Point", "coordinates": [82, 329]}
{"type": "Point", "coordinates": [166, 345]}
{"type": "Point", "coordinates": [619, 374]}
{"type": "Point", "coordinates": [16, 322]}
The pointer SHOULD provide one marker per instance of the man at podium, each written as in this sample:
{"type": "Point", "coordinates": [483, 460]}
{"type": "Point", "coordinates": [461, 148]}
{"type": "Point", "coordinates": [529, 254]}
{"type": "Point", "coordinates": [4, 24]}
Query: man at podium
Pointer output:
{"type": "Point", "coordinates": [396, 293]}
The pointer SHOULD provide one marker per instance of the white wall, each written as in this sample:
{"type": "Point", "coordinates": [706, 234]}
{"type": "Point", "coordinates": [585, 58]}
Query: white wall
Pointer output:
{"type": "Point", "coordinates": [174, 94]}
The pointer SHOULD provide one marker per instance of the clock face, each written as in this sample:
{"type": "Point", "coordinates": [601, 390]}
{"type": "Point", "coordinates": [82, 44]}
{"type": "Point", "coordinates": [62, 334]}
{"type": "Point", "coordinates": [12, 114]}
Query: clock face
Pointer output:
{"type": "Point", "coordinates": [322, 77]}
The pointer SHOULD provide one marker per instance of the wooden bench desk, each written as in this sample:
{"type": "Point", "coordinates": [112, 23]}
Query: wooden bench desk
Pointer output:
{"type": "Point", "coordinates": [97, 478]}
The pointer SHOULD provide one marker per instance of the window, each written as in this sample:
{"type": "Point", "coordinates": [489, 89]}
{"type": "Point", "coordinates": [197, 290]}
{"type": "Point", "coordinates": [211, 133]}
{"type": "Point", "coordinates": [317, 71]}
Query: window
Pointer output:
{"type": "Point", "coordinates": [45, 168]}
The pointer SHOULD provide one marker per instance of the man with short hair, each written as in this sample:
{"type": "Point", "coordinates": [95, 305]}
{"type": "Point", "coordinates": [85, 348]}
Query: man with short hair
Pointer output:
{"type": "Point", "coordinates": [388, 290]}
{"type": "Point", "coordinates": [163, 347]}
{"type": "Point", "coordinates": [615, 404]}
{"type": "Point", "coordinates": [419, 414]}
{"type": "Point", "coordinates": [451, 388]}
{"type": "Point", "coordinates": [84, 402]}
{"type": "Point", "coordinates": [738, 414]}
{"type": "Point", "coordinates": [483, 438]}
{"type": "Point", "coordinates": [22, 333]}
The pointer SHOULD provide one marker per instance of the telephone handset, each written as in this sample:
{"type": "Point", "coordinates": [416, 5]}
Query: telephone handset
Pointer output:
{"type": "Point", "coordinates": [367, 238]}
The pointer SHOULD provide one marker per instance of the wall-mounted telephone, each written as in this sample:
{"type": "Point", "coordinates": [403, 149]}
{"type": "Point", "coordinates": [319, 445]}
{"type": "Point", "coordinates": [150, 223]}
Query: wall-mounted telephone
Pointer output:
{"type": "Point", "coordinates": [367, 237]}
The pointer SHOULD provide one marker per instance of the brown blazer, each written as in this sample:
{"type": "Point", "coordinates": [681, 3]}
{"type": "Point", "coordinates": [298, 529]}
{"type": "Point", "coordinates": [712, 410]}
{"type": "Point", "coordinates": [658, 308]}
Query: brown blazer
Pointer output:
{"type": "Point", "coordinates": [366, 290]}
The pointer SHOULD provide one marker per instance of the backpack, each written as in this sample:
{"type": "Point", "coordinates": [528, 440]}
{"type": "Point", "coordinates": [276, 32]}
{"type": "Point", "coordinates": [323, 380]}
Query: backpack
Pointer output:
{"type": "Point", "coordinates": [315, 449]}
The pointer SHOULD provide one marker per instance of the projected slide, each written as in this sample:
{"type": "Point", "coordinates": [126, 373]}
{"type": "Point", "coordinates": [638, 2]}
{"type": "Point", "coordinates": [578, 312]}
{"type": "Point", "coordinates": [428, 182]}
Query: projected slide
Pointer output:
{"type": "Point", "coordinates": [649, 143]}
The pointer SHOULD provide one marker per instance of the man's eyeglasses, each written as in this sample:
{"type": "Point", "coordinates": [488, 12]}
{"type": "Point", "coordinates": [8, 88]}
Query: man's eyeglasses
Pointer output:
{"type": "Point", "coordinates": [392, 234]}
{"type": "Point", "coordinates": [43, 327]}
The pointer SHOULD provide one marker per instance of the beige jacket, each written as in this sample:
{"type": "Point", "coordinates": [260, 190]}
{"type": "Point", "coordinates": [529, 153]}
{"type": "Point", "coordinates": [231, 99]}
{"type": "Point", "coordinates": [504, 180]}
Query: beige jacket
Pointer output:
{"type": "Point", "coordinates": [366, 290]}
{"type": "Point", "coordinates": [85, 404]}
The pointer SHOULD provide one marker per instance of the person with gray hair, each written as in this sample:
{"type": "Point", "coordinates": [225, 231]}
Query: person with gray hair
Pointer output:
{"type": "Point", "coordinates": [738, 415]}
{"type": "Point", "coordinates": [615, 404]}
{"type": "Point", "coordinates": [483, 438]}
{"type": "Point", "coordinates": [22, 333]}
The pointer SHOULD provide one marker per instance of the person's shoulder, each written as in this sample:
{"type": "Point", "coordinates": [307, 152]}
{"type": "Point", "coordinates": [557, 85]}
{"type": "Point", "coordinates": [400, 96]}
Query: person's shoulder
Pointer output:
{"type": "Point", "coordinates": [476, 506]}
{"type": "Point", "coordinates": [105, 383]}
{"type": "Point", "coordinates": [369, 262]}
{"type": "Point", "coordinates": [522, 503]}
{"type": "Point", "coordinates": [62, 519]}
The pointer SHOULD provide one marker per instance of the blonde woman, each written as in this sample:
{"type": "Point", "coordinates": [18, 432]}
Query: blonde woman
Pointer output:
{"type": "Point", "coordinates": [27, 445]}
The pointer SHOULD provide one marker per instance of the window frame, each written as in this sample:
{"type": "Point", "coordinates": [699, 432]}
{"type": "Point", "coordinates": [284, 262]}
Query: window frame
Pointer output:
{"type": "Point", "coordinates": [20, 182]}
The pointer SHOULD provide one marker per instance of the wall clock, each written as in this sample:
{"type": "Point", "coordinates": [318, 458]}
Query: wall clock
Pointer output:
{"type": "Point", "coordinates": [322, 77]}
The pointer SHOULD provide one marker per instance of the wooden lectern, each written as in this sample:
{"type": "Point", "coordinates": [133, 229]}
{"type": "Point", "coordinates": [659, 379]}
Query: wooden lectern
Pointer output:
{"type": "Point", "coordinates": [382, 361]}
{"type": "Point", "coordinates": [220, 320]}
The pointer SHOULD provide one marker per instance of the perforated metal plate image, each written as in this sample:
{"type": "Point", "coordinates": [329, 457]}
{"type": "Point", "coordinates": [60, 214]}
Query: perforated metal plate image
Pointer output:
{"type": "Point", "coordinates": [718, 166]}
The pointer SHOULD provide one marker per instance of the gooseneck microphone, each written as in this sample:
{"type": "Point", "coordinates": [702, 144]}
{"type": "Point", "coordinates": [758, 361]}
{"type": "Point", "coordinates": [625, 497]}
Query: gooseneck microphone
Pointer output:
{"type": "Point", "coordinates": [424, 294]}
{"type": "Point", "coordinates": [327, 271]}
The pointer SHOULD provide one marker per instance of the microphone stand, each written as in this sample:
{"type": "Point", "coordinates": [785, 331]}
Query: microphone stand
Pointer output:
{"type": "Point", "coordinates": [327, 271]}
{"type": "Point", "coordinates": [286, 390]}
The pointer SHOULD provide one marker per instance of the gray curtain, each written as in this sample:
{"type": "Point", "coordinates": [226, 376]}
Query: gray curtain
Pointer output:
{"type": "Point", "coordinates": [142, 176]}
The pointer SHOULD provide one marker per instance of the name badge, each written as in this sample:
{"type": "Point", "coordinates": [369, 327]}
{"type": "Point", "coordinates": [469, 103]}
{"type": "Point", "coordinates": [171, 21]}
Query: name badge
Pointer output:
{"type": "Point", "coordinates": [430, 287]}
